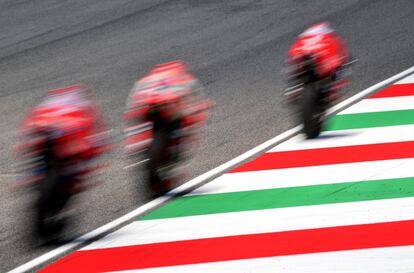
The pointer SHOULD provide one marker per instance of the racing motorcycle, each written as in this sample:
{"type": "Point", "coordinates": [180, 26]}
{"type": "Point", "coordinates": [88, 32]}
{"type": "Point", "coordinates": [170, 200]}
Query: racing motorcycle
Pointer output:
{"type": "Point", "coordinates": [59, 143]}
{"type": "Point", "coordinates": [54, 177]}
{"type": "Point", "coordinates": [319, 68]}
{"type": "Point", "coordinates": [162, 124]}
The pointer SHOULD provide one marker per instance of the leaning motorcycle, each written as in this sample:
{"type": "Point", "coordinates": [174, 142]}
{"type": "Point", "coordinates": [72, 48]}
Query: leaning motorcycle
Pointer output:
{"type": "Point", "coordinates": [161, 127]}
{"type": "Point", "coordinates": [56, 164]}
{"type": "Point", "coordinates": [318, 69]}
{"type": "Point", "coordinates": [314, 93]}
{"type": "Point", "coordinates": [54, 176]}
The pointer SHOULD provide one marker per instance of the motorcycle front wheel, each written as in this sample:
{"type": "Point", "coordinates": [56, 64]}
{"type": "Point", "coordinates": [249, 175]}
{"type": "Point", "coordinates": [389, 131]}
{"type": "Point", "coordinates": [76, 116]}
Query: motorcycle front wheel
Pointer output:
{"type": "Point", "coordinates": [312, 111]}
{"type": "Point", "coordinates": [51, 201]}
{"type": "Point", "coordinates": [159, 162]}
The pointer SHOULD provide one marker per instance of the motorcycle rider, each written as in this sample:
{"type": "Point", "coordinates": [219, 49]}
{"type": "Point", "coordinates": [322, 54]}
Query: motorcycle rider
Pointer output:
{"type": "Point", "coordinates": [167, 99]}
{"type": "Point", "coordinates": [60, 138]}
{"type": "Point", "coordinates": [328, 53]}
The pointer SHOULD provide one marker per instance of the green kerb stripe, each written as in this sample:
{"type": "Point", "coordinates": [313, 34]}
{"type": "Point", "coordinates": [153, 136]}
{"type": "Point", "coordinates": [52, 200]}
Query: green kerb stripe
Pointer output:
{"type": "Point", "coordinates": [285, 197]}
{"type": "Point", "coordinates": [370, 120]}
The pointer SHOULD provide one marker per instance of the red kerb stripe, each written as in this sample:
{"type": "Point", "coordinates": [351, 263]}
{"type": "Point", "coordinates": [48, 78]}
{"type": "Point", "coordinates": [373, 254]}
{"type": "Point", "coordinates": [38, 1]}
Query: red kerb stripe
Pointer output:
{"type": "Point", "coordinates": [327, 156]}
{"type": "Point", "coordinates": [238, 247]}
{"type": "Point", "coordinates": [396, 90]}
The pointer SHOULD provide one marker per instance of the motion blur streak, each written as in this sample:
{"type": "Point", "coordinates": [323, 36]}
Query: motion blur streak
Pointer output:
{"type": "Point", "coordinates": [165, 111]}
{"type": "Point", "coordinates": [60, 138]}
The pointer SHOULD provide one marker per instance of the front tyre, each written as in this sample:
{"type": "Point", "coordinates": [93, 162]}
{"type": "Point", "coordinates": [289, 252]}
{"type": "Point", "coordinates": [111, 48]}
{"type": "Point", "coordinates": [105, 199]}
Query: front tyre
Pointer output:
{"type": "Point", "coordinates": [52, 198]}
{"type": "Point", "coordinates": [159, 160]}
{"type": "Point", "coordinates": [312, 111]}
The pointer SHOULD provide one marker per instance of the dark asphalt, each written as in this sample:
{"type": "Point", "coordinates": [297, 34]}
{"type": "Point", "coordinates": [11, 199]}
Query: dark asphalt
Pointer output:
{"type": "Point", "coordinates": [236, 47]}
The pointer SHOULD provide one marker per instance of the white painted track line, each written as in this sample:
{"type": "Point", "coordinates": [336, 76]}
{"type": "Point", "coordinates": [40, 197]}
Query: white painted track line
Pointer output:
{"type": "Point", "coordinates": [409, 79]}
{"type": "Point", "coordinates": [194, 183]}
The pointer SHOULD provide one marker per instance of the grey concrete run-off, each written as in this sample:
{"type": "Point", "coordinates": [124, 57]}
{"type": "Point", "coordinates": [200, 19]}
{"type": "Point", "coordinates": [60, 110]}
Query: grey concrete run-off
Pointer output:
{"type": "Point", "coordinates": [236, 47]}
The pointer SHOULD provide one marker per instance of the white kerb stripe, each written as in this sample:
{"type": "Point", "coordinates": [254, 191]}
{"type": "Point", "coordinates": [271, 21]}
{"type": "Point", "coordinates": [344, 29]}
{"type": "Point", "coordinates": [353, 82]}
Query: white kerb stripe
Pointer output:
{"type": "Point", "coordinates": [380, 105]}
{"type": "Point", "coordinates": [259, 221]}
{"type": "Point", "coordinates": [343, 138]}
{"type": "Point", "coordinates": [307, 176]}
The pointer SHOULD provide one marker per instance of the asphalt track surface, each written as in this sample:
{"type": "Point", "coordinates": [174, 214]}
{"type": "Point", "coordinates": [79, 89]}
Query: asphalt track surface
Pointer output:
{"type": "Point", "coordinates": [236, 47]}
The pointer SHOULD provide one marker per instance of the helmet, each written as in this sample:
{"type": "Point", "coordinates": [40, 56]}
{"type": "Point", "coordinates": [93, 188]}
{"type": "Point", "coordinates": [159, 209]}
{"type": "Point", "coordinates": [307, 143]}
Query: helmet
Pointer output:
{"type": "Point", "coordinates": [173, 67]}
{"type": "Point", "coordinates": [317, 29]}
